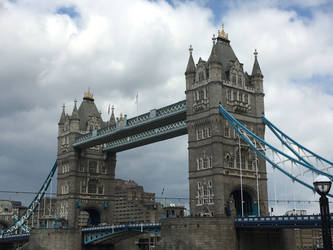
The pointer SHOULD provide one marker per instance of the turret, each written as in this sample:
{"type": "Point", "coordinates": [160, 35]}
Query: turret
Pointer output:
{"type": "Point", "coordinates": [190, 70]}
{"type": "Point", "coordinates": [112, 118]}
{"type": "Point", "coordinates": [61, 122]}
{"type": "Point", "coordinates": [257, 77]}
{"type": "Point", "coordinates": [75, 119]}
{"type": "Point", "coordinates": [215, 67]}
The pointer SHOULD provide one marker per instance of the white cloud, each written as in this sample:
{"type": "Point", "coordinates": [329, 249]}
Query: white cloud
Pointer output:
{"type": "Point", "coordinates": [119, 48]}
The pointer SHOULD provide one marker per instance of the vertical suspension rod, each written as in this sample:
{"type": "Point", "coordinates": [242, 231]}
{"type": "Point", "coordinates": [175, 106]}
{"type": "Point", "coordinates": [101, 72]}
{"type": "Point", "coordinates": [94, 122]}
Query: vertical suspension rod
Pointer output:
{"type": "Point", "coordinates": [257, 177]}
{"type": "Point", "coordinates": [241, 174]}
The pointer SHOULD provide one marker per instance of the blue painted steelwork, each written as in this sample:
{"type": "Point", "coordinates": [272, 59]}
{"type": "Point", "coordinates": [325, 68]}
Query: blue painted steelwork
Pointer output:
{"type": "Point", "coordinates": [294, 221]}
{"type": "Point", "coordinates": [14, 237]}
{"type": "Point", "coordinates": [19, 223]}
{"type": "Point", "coordinates": [93, 234]}
{"type": "Point", "coordinates": [276, 130]}
{"type": "Point", "coordinates": [236, 125]}
{"type": "Point", "coordinates": [148, 136]}
{"type": "Point", "coordinates": [155, 118]}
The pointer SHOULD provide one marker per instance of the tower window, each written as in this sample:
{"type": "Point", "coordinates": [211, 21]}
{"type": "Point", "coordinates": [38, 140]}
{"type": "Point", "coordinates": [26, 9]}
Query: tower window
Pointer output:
{"type": "Point", "coordinates": [246, 98]}
{"type": "Point", "coordinates": [229, 94]}
{"type": "Point", "coordinates": [240, 80]}
{"type": "Point", "coordinates": [93, 167]}
{"type": "Point", "coordinates": [226, 131]}
{"type": "Point", "coordinates": [101, 189]}
{"type": "Point", "coordinates": [92, 188]}
{"type": "Point", "coordinates": [233, 79]}
{"type": "Point", "coordinates": [201, 95]}
{"type": "Point", "coordinates": [201, 76]}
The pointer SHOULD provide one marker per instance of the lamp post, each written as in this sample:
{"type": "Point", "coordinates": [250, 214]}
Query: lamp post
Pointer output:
{"type": "Point", "coordinates": [322, 185]}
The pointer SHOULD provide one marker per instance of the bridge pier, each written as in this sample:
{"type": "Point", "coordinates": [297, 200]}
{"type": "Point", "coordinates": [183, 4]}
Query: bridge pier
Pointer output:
{"type": "Point", "coordinates": [266, 238]}
{"type": "Point", "coordinates": [55, 239]}
{"type": "Point", "coordinates": [196, 233]}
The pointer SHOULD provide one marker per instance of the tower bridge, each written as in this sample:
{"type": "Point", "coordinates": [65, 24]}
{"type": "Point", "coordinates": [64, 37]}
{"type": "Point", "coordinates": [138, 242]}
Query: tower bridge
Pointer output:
{"type": "Point", "coordinates": [223, 118]}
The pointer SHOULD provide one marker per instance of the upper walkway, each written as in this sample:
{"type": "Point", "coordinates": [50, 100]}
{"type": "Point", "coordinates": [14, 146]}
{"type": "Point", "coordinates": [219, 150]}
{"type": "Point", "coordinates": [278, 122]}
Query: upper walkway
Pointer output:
{"type": "Point", "coordinates": [158, 124]}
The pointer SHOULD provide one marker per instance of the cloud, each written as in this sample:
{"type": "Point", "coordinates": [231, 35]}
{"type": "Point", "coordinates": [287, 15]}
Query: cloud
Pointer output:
{"type": "Point", "coordinates": [50, 57]}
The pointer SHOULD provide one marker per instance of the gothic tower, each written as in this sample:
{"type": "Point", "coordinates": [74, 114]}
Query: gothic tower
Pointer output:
{"type": "Point", "coordinates": [85, 176]}
{"type": "Point", "coordinates": [216, 156]}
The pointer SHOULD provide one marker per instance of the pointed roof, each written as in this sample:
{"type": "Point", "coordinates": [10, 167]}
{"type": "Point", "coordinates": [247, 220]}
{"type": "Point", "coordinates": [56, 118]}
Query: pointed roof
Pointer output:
{"type": "Point", "coordinates": [63, 116]}
{"type": "Point", "coordinates": [86, 110]}
{"type": "Point", "coordinates": [213, 55]}
{"type": "Point", "coordinates": [222, 52]}
{"type": "Point", "coordinates": [75, 113]}
{"type": "Point", "coordinates": [256, 68]}
{"type": "Point", "coordinates": [190, 65]}
{"type": "Point", "coordinates": [112, 118]}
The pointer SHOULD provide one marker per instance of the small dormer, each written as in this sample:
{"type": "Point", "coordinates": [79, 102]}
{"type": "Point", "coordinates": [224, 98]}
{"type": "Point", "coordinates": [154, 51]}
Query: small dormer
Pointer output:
{"type": "Point", "coordinates": [202, 71]}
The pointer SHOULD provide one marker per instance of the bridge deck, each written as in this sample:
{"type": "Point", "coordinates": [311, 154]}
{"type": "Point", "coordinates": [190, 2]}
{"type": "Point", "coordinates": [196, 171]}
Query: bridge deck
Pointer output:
{"type": "Point", "coordinates": [295, 221]}
{"type": "Point", "coordinates": [136, 126]}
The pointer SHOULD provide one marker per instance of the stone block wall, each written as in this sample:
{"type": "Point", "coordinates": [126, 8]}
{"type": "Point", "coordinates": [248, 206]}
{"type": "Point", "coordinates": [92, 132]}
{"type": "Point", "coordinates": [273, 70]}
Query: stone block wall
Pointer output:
{"type": "Point", "coordinates": [194, 233]}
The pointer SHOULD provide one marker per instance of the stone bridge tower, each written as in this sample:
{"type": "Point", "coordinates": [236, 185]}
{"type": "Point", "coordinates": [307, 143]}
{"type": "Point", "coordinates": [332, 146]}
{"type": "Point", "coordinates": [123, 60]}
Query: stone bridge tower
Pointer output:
{"type": "Point", "coordinates": [85, 176]}
{"type": "Point", "coordinates": [215, 156]}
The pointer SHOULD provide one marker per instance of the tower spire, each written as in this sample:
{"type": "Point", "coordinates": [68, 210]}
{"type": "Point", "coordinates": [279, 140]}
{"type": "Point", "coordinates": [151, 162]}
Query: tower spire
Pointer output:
{"type": "Point", "coordinates": [256, 68]}
{"type": "Point", "coordinates": [190, 65]}
{"type": "Point", "coordinates": [63, 115]}
{"type": "Point", "coordinates": [75, 113]}
{"type": "Point", "coordinates": [112, 118]}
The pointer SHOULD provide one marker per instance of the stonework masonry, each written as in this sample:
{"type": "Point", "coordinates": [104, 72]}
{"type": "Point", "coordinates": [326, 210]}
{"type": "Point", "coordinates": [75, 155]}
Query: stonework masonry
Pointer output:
{"type": "Point", "coordinates": [197, 234]}
{"type": "Point", "coordinates": [215, 152]}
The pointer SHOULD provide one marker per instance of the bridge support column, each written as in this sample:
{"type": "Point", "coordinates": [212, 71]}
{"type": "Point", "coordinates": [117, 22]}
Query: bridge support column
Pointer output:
{"type": "Point", "coordinates": [54, 239]}
{"type": "Point", "coordinates": [194, 233]}
{"type": "Point", "coordinates": [265, 238]}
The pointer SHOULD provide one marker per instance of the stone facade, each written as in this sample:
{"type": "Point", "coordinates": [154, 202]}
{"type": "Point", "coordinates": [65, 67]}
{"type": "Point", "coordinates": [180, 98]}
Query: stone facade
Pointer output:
{"type": "Point", "coordinates": [213, 147]}
{"type": "Point", "coordinates": [198, 233]}
{"type": "Point", "coordinates": [85, 176]}
{"type": "Point", "coordinates": [133, 205]}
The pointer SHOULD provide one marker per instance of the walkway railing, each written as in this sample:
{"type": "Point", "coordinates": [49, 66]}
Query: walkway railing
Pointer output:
{"type": "Point", "coordinates": [293, 221]}
{"type": "Point", "coordinates": [148, 136]}
{"type": "Point", "coordinates": [92, 234]}
{"type": "Point", "coordinates": [96, 137]}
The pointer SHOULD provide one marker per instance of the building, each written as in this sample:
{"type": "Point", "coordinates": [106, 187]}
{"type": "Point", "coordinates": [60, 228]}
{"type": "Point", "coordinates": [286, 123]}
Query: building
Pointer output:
{"type": "Point", "coordinates": [85, 176]}
{"type": "Point", "coordinates": [216, 155]}
{"type": "Point", "coordinates": [296, 212]}
{"type": "Point", "coordinates": [133, 205]}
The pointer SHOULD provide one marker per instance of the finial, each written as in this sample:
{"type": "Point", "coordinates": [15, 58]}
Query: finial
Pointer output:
{"type": "Point", "coordinates": [112, 108]}
{"type": "Point", "coordinates": [88, 95]}
{"type": "Point", "coordinates": [190, 49]}
{"type": "Point", "coordinates": [222, 34]}
{"type": "Point", "coordinates": [75, 101]}
{"type": "Point", "coordinates": [255, 53]}
{"type": "Point", "coordinates": [63, 107]}
{"type": "Point", "coordinates": [214, 38]}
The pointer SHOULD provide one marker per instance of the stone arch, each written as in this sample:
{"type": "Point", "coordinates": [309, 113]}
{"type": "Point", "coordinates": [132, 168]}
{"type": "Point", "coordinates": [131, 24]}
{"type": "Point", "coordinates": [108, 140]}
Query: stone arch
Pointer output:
{"type": "Point", "coordinates": [4, 224]}
{"type": "Point", "coordinates": [248, 200]}
{"type": "Point", "coordinates": [90, 216]}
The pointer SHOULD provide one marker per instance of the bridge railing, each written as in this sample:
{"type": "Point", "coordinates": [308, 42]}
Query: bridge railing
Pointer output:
{"type": "Point", "coordinates": [152, 115]}
{"type": "Point", "coordinates": [279, 221]}
{"type": "Point", "coordinates": [145, 135]}
{"type": "Point", "coordinates": [122, 226]}
{"type": "Point", "coordinates": [14, 237]}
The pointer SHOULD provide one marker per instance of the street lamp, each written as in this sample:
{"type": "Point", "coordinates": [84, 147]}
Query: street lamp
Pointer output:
{"type": "Point", "coordinates": [322, 185]}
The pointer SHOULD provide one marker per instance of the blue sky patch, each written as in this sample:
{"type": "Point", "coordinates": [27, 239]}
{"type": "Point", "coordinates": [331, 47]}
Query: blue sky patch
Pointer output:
{"type": "Point", "coordinates": [70, 11]}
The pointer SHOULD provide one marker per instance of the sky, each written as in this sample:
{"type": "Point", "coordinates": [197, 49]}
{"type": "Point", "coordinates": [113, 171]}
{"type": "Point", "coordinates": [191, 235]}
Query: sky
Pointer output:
{"type": "Point", "coordinates": [52, 51]}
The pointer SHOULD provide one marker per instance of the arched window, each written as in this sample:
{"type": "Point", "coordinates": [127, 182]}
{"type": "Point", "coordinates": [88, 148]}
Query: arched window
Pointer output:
{"type": "Point", "coordinates": [240, 80]}
{"type": "Point", "coordinates": [233, 79]}
{"type": "Point", "coordinates": [92, 188]}
{"type": "Point", "coordinates": [201, 95]}
{"type": "Point", "coordinates": [93, 167]}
